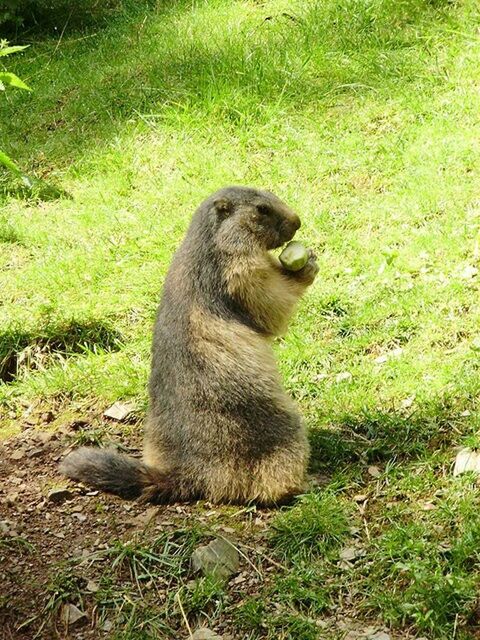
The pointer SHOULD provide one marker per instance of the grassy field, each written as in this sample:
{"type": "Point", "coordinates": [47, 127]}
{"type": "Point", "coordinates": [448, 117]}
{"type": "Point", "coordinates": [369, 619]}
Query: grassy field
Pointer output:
{"type": "Point", "coordinates": [363, 115]}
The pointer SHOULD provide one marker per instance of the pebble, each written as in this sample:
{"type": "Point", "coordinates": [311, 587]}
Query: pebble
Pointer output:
{"type": "Point", "coordinates": [219, 559]}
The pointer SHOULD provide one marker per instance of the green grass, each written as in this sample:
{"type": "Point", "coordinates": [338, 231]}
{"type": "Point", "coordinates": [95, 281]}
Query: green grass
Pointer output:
{"type": "Point", "coordinates": [363, 116]}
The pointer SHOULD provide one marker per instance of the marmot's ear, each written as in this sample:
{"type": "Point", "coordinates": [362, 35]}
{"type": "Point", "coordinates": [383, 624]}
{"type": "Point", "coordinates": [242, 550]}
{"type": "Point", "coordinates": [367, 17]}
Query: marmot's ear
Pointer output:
{"type": "Point", "coordinates": [223, 206]}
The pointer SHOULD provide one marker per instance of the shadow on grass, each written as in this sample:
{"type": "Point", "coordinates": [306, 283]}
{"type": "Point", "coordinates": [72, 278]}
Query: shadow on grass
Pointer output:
{"type": "Point", "coordinates": [35, 19]}
{"type": "Point", "coordinates": [85, 88]}
{"type": "Point", "coordinates": [21, 350]}
{"type": "Point", "coordinates": [378, 436]}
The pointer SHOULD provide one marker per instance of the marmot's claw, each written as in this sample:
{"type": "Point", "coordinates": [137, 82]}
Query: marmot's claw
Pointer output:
{"type": "Point", "coordinates": [310, 270]}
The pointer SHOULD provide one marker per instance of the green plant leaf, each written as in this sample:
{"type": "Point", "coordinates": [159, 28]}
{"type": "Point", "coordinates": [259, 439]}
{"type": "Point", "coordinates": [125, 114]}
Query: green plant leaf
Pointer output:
{"type": "Point", "coordinates": [9, 163]}
{"type": "Point", "coordinates": [8, 78]}
{"type": "Point", "coordinates": [6, 51]}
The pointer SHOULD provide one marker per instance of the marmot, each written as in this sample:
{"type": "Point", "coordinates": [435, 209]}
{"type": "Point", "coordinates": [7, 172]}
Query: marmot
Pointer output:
{"type": "Point", "coordinates": [220, 426]}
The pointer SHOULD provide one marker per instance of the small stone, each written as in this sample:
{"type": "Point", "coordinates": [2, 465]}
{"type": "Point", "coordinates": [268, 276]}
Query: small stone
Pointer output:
{"type": "Point", "coordinates": [228, 529]}
{"type": "Point", "coordinates": [59, 495]}
{"type": "Point", "coordinates": [33, 453]}
{"type": "Point", "coordinates": [107, 625]}
{"type": "Point", "coordinates": [219, 559]}
{"type": "Point", "coordinates": [79, 516]}
{"type": "Point", "coordinates": [119, 411]}
{"type": "Point", "coordinates": [72, 615]}
{"type": "Point", "coordinates": [7, 528]}
{"type": "Point", "coordinates": [76, 508]}
{"type": "Point", "coordinates": [374, 472]}
{"type": "Point", "coordinates": [380, 635]}
{"type": "Point", "coordinates": [18, 454]}
{"type": "Point", "coordinates": [44, 436]}
{"type": "Point", "coordinates": [145, 517]}
{"type": "Point", "coordinates": [92, 586]}
{"type": "Point", "coordinates": [343, 376]}
{"type": "Point", "coordinates": [205, 634]}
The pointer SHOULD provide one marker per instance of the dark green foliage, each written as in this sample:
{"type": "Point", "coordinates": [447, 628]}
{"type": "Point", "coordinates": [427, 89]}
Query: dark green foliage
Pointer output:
{"type": "Point", "coordinates": [57, 15]}
{"type": "Point", "coordinates": [23, 350]}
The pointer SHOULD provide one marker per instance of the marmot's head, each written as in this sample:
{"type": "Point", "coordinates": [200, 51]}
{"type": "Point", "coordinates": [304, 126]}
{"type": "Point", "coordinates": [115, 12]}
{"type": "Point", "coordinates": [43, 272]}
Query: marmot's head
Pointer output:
{"type": "Point", "coordinates": [248, 219]}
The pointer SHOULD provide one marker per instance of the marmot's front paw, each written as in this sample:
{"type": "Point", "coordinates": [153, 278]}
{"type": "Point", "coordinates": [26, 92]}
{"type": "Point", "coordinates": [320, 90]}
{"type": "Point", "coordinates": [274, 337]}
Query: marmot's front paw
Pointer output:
{"type": "Point", "coordinates": [310, 270]}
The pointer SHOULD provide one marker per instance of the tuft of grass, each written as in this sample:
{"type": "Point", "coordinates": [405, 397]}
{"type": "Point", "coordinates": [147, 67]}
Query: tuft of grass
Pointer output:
{"type": "Point", "coordinates": [317, 524]}
{"type": "Point", "coordinates": [427, 585]}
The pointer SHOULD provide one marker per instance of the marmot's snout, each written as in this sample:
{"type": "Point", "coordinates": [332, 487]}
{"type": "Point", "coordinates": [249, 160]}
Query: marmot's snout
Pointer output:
{"type": "Point", "coordinates": [289, 227]}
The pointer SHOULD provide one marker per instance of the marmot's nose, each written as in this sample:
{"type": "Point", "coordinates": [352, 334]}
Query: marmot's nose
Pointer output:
{"type": "Point", "coordinates": [295, 222]}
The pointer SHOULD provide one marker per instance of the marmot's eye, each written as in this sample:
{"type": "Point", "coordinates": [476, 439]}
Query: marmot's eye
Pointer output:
{"type": "Point", "coordinates": [264, 209]}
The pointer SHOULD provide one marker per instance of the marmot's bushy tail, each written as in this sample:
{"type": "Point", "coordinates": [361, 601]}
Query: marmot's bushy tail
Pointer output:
{"type": "Point", "coordinates": [113, 472]}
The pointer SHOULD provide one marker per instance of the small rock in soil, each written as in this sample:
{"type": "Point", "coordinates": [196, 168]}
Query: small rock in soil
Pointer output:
{"type": "Point", "coordinates": [380, 635]}
{"type": "Point", "coordinates": [79, 516]}
{"type": "Point", "coordinates": [59, 495]}
{"type": "Point", "coordinates": [18, 454]}
{"type": "Point", "coordinates": [44, 436]}
{"type": "Point", "coordinates": [71, 615]}
{"type": "Point", "coordinates": [92, 586]}
{"type": "Point", "coordinates": [143, 518]}
{"type": "Point", "coordinates": [33, 453]}
{"type": "Point", "coordinates": [205, 634]}
{"type": "Point", "coordinates": [12, 497]}
{"type": "Point", "coordinates": [219, 559]}
{"type": "Point", "coordinates": [7, 528]}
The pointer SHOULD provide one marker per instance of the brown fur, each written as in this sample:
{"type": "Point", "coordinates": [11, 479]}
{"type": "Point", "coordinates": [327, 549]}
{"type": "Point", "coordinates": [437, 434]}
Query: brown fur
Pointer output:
{"type": "Point", "coordinates": [220, 425]}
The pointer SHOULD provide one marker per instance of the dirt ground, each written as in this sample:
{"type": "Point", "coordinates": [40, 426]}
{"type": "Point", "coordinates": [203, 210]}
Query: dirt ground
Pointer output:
{"type": "Point", "coordinates": [48, 526]}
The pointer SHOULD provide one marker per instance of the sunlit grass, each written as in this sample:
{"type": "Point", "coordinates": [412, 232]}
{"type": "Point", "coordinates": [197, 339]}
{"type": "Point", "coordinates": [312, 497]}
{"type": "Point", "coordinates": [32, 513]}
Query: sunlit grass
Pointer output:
{"type": "Point", "coordinates": [363, 116]}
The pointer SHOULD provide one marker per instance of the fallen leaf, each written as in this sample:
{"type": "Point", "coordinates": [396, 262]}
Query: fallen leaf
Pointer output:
{"type": "Point", "coordinates": [361, 497]}
{"type": "Point", "coordinates": [348, 553]}
{"type": "Point", "coordinates": [72, 615]}
{"type": "Point", "coordinates": [468, 272]}
{"type": "Point", "coordinates": [119, 411]}
{"type": "Point", "coordinates": [407, 402]}
{"type": "Point", "coordinates": [466, 460]}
